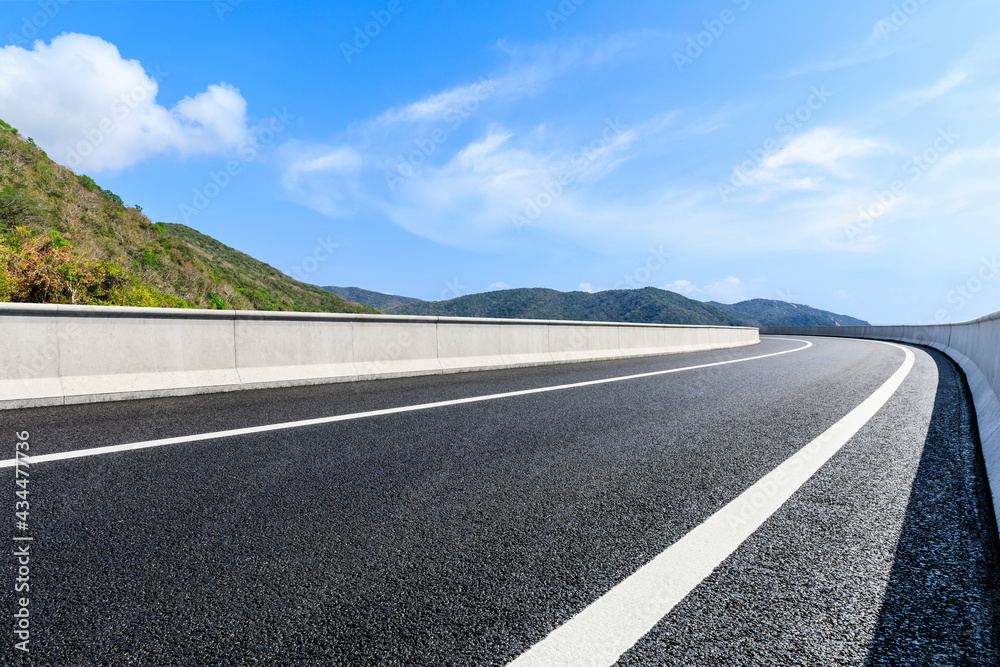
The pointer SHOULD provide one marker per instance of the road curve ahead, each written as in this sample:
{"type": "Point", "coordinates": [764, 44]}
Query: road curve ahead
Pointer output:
{"type": "Point", "coordinates": [801, 502]}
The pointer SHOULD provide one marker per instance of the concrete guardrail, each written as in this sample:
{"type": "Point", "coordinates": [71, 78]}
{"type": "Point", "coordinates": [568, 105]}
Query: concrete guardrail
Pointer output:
{"type": "Point", "coordinates": [974, 346]}
{"type": "Point", "coordinates": [53, 355]}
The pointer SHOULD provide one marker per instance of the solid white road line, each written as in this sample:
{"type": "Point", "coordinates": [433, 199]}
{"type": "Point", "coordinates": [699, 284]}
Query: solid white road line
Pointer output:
{"type": "Point", "coordinates": [61, 456]}
{"type": "Point", "coordinates": [600, 634]}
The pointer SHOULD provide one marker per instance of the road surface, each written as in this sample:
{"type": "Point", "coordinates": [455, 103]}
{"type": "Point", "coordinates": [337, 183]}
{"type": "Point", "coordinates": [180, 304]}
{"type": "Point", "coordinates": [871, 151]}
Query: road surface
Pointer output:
{"type": "Point", "coordinates": [446, 531]}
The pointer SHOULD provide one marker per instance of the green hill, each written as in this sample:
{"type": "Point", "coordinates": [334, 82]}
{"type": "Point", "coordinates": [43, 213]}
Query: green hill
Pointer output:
{"type": "Point", "coordinates": [64, 239]}
{"type": "Point", "coordinates": [648, 305]}
{"type": "Point", "coordinates": [768, 313]}
{"type": "Point", "coordinates": [385, 302]}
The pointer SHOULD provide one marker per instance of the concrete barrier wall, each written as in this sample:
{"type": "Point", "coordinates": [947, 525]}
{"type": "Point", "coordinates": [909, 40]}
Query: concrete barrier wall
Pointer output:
{"type": "Point", "coordinates": [974, 346]}
{"type": "Point", "coordinates": [53, 355]}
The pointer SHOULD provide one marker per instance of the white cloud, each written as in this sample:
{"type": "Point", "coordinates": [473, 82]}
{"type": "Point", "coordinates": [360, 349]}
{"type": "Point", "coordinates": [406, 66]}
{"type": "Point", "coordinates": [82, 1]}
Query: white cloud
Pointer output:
{"type": "Point", "coordinates": [324, 178]}
{"type": "Point", "coordinates": [808, 161]}
{"type": "Point", "coordinates": [879, 44]}
{"type": "Point", "coordinates": [809, 158]}
{"type": "Point", "coordinates": [480, 191]}
{"type": "Point", "coordinates": [953, 79]}
{"type": "Point", "coordinates": [439, 169]}
{"type": "Point", "coordinates": [981, 57]}
{"type": "Point", "coordinates": [533, 69]}
{"type": "Point", "coordinates": [470, 187]}
{"type": "Point", "coordinates": [89, 108]}
{"type": "Point", "coordinates": [728, 290]}
{"type": "Point", "coordinates": [462, 100]}
{"type": "Point", "coordinates": [874, 47]}
{"type": "Point", "coordinates": [497, 286]}
{"type": "Point", "coordinates": [826, 148]}
{"type": "Point", "coordinates": [682, 287]}
{"type": "Point", "coordinates": [585, 287]}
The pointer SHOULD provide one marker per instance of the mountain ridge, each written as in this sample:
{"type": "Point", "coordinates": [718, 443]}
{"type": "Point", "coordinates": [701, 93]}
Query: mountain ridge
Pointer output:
{"type": "Point", "coordinates": [645, 305]}
{"type": "Point", "coordinates": [771, 313]}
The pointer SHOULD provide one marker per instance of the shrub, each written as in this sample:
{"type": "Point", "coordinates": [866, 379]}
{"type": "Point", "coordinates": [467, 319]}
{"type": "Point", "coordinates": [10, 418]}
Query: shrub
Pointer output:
{"type": "Point", "coordinates": [17, 209]}
{"type": "Point", "coordinates": [57, 241]}
{"type": "Point", "coordinates": [88, 182]}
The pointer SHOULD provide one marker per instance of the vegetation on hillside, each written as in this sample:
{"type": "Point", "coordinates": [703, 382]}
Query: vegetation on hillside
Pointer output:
{"type": "Point", "coordinates": [770, 313]}
{"type": "Point", "coordinates": [384, 302]}
{"type": "Point", "coordinates": [649, 305]}
{"type": "Point", "coordinates": [64, 239]}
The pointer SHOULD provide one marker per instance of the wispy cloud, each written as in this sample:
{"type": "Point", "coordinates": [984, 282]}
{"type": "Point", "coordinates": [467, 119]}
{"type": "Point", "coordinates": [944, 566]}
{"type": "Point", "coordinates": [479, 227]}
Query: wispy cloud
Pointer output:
{"type": "Point", "coordinates": [531, 70]}
{"type": "Point", "coordinates": [449, 190]}
{"type": "Point", "coordinates": [727, 290]}
{"type": "Point", "coordinates": [460, 99]}
{"type": "Point", "coordinates": [809, 159]}
{"type": "Point", "coordinates": [882, 41]}
{"type": "Point", "coordinates": [468, 189]}
{"type": "Point", "coordinates": [983, 55]}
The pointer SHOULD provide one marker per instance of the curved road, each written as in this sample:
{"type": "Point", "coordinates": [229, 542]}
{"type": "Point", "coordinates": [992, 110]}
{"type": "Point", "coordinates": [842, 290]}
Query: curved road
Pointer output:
{"type": "Point", "coordinates": [471, 531]}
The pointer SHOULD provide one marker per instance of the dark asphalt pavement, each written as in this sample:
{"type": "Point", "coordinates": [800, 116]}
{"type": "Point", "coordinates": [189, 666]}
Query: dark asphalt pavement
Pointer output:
{"type": "Point", "coordinates": [465, 534]}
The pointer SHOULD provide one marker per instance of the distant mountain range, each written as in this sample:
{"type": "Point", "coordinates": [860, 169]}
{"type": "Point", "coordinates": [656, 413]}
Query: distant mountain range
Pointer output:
{"type": "Point", "coordinates": [64, 239]}
{"type": "Point", "coordinates": [647, 305]}
{"type": "Point", "coordinates": [387, 303]}
{"type": "Point", "coordinates": [768, 313]}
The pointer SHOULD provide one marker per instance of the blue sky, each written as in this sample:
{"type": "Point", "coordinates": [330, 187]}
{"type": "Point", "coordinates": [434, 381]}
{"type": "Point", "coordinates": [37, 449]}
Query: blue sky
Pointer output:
{"type": "Point", "coordinates": [843, 155]}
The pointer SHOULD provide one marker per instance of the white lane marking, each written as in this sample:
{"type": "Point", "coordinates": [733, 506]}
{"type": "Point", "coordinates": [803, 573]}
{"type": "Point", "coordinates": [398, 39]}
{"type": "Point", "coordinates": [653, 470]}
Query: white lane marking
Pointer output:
{"type": "Point", "coordinates": [60, 456]}
{"type": "Point", "coordinates": [600, 634]}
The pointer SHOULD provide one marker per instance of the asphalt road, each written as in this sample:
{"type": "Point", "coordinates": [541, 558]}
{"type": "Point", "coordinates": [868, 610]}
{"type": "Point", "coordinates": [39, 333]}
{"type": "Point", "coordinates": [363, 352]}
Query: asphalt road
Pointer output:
{"type": "Point", "coordinates": [465, 534]}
